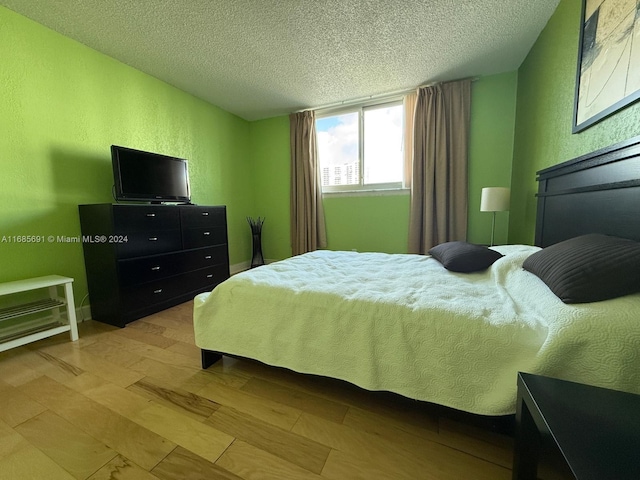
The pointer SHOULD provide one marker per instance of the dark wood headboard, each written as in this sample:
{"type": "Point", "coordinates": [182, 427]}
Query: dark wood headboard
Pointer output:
{"type": "Point", "coordinates": [595, 193]}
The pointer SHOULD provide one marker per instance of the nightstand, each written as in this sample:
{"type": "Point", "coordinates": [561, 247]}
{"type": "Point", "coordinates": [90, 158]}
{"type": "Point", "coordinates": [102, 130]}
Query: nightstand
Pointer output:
{"type": "Point", "coordinates": [596, 430]}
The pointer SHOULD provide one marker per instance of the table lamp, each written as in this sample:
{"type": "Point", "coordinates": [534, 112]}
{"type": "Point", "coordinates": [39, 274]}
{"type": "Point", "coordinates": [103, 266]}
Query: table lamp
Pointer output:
{"type": "Point", "coordinates": [495, 199]}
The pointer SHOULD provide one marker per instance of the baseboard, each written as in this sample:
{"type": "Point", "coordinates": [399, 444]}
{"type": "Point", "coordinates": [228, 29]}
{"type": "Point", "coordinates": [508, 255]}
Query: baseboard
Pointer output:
{"type": "Point", "coordinates": [239, 267]}
{"type": "Point", "coordinates": [242, 266]}
{"type": "Point", "coordinates": [83, 313]}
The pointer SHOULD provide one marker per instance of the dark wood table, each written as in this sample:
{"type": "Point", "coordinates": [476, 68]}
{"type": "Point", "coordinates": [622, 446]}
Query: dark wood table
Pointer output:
{"type": "Point", "coordinates": [596, 430]}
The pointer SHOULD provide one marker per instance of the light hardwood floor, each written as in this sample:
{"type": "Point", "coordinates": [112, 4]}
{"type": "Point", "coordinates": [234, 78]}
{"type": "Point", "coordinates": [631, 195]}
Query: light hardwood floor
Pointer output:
{"type": "Point", "coordinates": [133, 403]}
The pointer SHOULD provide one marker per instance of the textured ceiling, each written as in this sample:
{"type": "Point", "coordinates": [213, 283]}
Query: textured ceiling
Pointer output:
{"type": "Point", "coordinates": [261, 58]}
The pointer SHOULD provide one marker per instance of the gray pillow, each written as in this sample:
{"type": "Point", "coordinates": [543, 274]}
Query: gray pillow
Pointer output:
{"type": "Point", "coordinates": [464, 257]}
{"type": "Point", "coordinates": [589, 268]}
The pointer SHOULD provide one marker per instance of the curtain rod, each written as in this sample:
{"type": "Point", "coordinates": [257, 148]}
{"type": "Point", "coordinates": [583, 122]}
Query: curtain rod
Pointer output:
{"type": "Point", "coordinates": [354, 101]}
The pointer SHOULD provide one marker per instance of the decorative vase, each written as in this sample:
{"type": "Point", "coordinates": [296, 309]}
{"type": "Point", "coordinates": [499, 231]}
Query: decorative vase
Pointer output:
{"type": "Point", "coordinates": [256, 230]}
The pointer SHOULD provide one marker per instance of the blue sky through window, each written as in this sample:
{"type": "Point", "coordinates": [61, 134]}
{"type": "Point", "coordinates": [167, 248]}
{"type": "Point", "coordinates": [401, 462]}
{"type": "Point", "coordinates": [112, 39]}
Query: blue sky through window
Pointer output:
{"type": "Point", "coordinates": [339, 147]}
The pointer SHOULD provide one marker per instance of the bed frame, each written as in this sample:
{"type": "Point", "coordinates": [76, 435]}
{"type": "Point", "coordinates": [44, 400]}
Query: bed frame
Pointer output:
{"type": "Point", "coordinates": [595, 193]}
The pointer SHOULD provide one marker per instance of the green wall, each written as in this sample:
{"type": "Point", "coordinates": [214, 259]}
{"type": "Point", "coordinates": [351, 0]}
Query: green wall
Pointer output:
{"type": "Point", "coordinates": [546, 87]}
{"type": "Point", "coordinates": [63, 105]}
{"type": "Point", "coordinates": [270, 177]}
{"type": "Point", "coordinates": [367, 223]}
{"type": "Point", "coordinates": [493, 111]}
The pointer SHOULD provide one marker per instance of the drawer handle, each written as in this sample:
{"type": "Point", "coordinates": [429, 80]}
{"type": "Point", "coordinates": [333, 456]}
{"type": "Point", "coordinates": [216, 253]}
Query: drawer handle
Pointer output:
{"type": "Point", "coordinates": [157, 291]}
{"type": "Point", "coordinates": [153, 239]}
{"type": "Point", "coordinates": [210, 275]}
{"type": "Point", "coordinates": [155, 269]}
{"type": "Point", "coordinates": [205, 214]}
{"type": "Point", "coordinates": [207, 257]}
{"type": "Point", "coordinates": [207, 233]}
{"type": "Point", "coordinates": [151, 214]}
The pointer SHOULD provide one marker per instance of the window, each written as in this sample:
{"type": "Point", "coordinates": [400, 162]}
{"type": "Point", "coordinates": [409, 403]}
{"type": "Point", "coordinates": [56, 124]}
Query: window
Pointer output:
{"type": "Point", "coordinates": [361, 148]}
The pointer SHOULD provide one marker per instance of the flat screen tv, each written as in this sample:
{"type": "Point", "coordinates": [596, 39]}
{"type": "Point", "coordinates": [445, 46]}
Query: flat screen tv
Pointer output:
{"type": "Point", "coordinates": [145, 176]}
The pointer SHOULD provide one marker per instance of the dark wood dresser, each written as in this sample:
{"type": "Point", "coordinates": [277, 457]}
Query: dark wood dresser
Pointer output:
{"type": "Point", "coordinates": [141, 259]}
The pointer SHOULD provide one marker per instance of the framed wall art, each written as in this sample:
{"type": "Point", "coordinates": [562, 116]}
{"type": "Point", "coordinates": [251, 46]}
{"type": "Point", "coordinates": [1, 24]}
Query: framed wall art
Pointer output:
{"type": "Point", "coordinates": [608, 75]}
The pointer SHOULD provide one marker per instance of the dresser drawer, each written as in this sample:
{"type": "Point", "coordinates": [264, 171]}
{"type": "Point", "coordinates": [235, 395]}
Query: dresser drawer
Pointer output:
{"type": "Point", "coordinates": [140, 244]}
{"type": "Point", "coordinates": [192, 216]}
{"type": "Point", "coordinates": [205, 257]}
{"type": "Point", "coordinates": [147, 269]}
{"type": "Point", "coordinates": [207, 278]}
{"type": "Point", "coordinates": [203, 237]}
{"type": "Point", "coordinates": [142, 296]}
{"type": "Point", "coordinates": [128, 219]}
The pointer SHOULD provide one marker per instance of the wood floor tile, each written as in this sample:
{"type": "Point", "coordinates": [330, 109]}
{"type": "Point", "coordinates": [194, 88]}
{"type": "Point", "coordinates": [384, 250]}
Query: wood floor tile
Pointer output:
{"type": "Point", "coordinates": [117, 399]}
{"type": "Point", "coordinates": [27, 462]}
{"type": "Point", "coordinates": [263, 409]}
{"type": "Point", "coordinates": [182, 335]}
{"type": "Point", "coordinates": [490, 446]}
{"type": "Point", "coordinates": [252, 463]}
{"type": "Point", "coordinates": [341, 465]}
{"type": "Point", "coordinates": [117, 432]}
{"type": "Point", "coordinates": [289, 446]}
{"type": "Point", "coordinates": [295, 398]}
{"type": "Point", "coordinates": [92, 328]}
{"type": "Point", "coordinates": [312, 384]}
{"type": "Point", "coordinates": [78, 453]}
{"type": "Point", "coordinates": [98, 366]}
{"type": "Point", "coordinates": [113, 352]}
{"type": "Point", "coordinates": [187, 403]}
{"type": "Point", "coordinates": [173, 374]}
{"type": "Point", "coordinates": [189, 350]}
{"type": "Point", "coordinates": [121, 468]}
{"type": "Point", "coordinates": [410, 415]}
{"type": "Point", "coordinates": [185, 378]}
{"type": "Point", "coordinates": [223, 374]}
{"type": "Point", "coordinates": [193, 435]}
{"type": "Point", "coordinates": [432, 458]}
{"type": "Point", "coordinates": [10, 440]}
{"type": "Point", "coordinates": [13, 371]}
{"type": "Point", "coordinates": [416, 417]}
{"type": "Point", "coordinates": [53, 365]}
{"type": "Point", "coordinates": [151, 351]}
{"type": "Point", "coordinates": [172, 318]}
{"type": "Point", "coordinates": [145, 337]}
{"type": "Point", "coordinates": [181, 464]}
{"type": "Point", "coordinates": [15, 406]}
{"type": "Point", "coordinates": [146, 327]}
{"type": "Point", "coordinates": [385, 427]}
{"type": "Point", "coordinates": [59, 348]}
{"type": "Point", "coordinates": [84, 382]}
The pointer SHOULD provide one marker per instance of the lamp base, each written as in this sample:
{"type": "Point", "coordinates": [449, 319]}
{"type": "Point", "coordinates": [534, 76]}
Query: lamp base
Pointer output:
{"type": "Point", "coordinates": [493, 228]}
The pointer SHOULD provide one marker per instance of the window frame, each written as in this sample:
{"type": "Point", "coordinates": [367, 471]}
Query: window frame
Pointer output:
{"type": "Point", "coordinates": [361, 108]}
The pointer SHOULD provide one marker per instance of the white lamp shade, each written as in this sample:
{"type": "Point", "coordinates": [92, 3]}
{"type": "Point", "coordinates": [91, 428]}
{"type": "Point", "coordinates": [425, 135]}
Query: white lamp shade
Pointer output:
{"type": "Point", "coordinates": [495, 199]}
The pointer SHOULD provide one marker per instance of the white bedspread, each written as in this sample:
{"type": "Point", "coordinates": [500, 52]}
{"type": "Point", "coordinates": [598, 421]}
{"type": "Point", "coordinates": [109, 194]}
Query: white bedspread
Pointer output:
{"type": "Point", "coordinates": [403, 323]}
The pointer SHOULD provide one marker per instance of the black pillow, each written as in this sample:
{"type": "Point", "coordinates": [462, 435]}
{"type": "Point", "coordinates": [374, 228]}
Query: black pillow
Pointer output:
{"type": "Point", "coordinates": [464, 257]}
{"type": "Point", "coordinates": [589, 268]}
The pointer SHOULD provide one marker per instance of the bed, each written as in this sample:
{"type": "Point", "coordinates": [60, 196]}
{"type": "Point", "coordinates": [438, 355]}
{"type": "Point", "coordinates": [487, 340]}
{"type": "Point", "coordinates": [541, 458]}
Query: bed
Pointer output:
{"type": "Point", "coordinates": [405, 324]}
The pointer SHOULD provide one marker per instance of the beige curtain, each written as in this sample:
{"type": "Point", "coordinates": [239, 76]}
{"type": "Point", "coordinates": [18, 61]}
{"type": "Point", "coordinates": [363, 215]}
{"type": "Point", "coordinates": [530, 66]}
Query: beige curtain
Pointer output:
{"type": "Point", "coordinates": [409, 102]}
{"type": "Point", "coordinates": [439, 177]}
{"type": "Point", "coordinates": [307, 216]}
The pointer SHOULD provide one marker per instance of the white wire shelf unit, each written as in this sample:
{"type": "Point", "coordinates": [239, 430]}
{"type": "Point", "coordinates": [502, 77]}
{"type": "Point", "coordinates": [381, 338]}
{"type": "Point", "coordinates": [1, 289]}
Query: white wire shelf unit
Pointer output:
{"type": "Point", "coordinates": [61, 315]}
